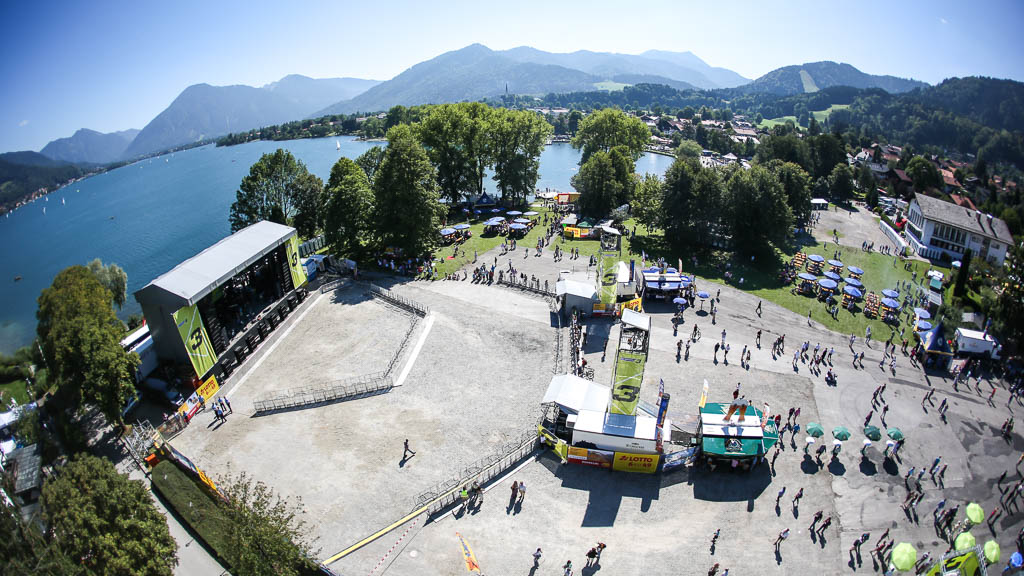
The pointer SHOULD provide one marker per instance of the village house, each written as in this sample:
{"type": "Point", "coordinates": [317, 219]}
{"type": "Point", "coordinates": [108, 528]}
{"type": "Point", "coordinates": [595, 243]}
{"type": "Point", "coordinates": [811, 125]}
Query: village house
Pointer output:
{"type": "Point", "coordinates": [941, 230]}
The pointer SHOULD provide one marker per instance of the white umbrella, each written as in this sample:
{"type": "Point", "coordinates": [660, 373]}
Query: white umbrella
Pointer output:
{"type": "Point", "coordinates": [809, 440]}
{"type": "Point", "coordinates": [837, 442]}
{"type": "Point", "coordinates": [867, 442]}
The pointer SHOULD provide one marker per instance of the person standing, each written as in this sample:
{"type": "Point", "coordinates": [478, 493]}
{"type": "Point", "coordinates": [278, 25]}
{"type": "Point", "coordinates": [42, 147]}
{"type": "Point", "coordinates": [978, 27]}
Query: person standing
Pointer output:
{"type": "Point", "coordinates": [407, 450]}
{"type": "Point", "coordinates": [515, 490]}
{"type": "Point", "coordinates": [522, 491]}
{"type": "Point", "coordinates": [758, 311]}
{"type": "Point", "coordinates": [536, 558]}
{"type": "Point", "coordinates": [227, 403]}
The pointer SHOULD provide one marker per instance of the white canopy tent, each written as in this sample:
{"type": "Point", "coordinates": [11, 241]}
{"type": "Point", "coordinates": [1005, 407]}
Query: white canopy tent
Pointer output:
{"type": "Point", "coordinates": [574, 394]}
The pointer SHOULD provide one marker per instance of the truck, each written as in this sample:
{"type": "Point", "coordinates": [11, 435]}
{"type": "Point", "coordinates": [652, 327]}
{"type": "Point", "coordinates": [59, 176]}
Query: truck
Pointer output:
{"type": "Point", "coordinates": [975, 343]}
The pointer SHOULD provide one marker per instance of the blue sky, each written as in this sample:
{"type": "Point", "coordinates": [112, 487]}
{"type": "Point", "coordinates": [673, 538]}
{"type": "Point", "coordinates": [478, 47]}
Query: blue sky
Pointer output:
{"type": "Point", "coordinates": [115, 65]}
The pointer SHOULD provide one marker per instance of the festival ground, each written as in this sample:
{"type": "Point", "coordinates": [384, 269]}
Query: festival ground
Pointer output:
{"type": "Point", "coordinates": [477, 382]}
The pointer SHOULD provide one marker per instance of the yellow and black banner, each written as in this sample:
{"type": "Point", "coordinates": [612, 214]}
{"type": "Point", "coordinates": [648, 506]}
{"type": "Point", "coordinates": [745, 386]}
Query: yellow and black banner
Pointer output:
{"type": "Point", "coordinates": [298, 271]}
{"type": "Point", "coordinates": [642, 463]}
{"type": "Point", "coordinates": [197, 342]}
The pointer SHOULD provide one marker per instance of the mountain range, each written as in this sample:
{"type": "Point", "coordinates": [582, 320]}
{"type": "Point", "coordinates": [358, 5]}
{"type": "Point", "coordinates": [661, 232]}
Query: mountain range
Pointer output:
{"type": "Point", "coordinates": [814, 76]}
{"type": "Point", "coordinates": [203, 111]}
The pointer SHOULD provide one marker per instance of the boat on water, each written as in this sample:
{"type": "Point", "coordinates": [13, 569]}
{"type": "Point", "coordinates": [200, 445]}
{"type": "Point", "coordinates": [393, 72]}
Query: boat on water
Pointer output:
{"type": "Point", "coordinates": [62, 202]}
{"type": "Point", "coordinates": [338, 144]}
{"type": "Point", "coordinates": [44, 210]}
{"type": "Point", "coordinates": [17, 278]}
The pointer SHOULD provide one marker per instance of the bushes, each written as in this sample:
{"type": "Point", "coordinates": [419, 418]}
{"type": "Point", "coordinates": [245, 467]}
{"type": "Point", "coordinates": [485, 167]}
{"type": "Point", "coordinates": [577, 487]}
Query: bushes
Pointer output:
{"type": "Point", "coordinates": [194, 506]}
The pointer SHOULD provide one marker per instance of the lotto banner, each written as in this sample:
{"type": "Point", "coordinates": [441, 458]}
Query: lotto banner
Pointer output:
{"type": "Point", "coordinates": [642, 463]}
{"type": "Point", "coordinates": [636, 304]}
{"type": "Point", "coordinates": [205, 391]}
{"type": "Point", "coordinates": [298, 270]}
{"type": "Point", "coordinates": [596, 458]}
{"type": "Point", "coordinates": [197, 342]}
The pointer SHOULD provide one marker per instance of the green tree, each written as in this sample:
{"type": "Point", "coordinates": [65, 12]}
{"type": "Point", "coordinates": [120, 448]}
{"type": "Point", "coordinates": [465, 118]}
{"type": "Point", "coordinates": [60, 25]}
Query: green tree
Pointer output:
{"type": "Point", "coordinates": [865, 179]}
{"type": "Point", "coordinates": [711, 207]}
{"type": "Point", "coordinates": [840, 183]}
{"type": "Point", "coordinates": [813, 129]}
{"type": "Point", "coordinates": [597, 185]}
{"type": "Point", "coordinates": [625, 174]}
{"type": "Point", "coordinates": [113, 278]}
{"type": "Point", "coordinates": [796, 185]}
{"type": "Point", "coordinates": [871, 198]}
{"type": "Point", "coordinates": [81, 339]}
{"type": "Point", "coordinates": [105, 521]}
{"type": "Point", "coordinates": [407, 209]}
{"type": "Point", "coordinates": [25, 550]}
{"type": "Point", "coordinates": [1008, 315]}
{"type": "Point", "coordinates": [924, 174]}
{"type": "Point", "coordinates": [760, 214]}
{"type": "Point", "coordinates": [370, 161]}
{"type": "Point", "coordinates": [278, 188]}
{"type": "Point", "coordinates": [827, 151]}
{"type": "Point", "coordinates": [517, 140]}
{"type": "Point", "coordinates": [678, 202]}
{"type": "Point", "coordinates": [347, 224]}
{"type": "Point", "coordinates": [959, 285]}
{"type": "Point", "coordinates": [396, 115]}
{"type": "Point", "coordinates": [574, 121]}
{"type": "Point", "coordinates": [646, 203]}
{"type": "Point", "coordinates": [605, 129]}
{"type": "Point", "coordinates": [689, 149]}
{"type": "Point", "coordinates": [270, 538]}
{"type": "Point", "coordinates": [478, 141]}
{"type": "Point", "coordinates": [788, 148]}
{"type": "Point", "coordinates": [444, 132]}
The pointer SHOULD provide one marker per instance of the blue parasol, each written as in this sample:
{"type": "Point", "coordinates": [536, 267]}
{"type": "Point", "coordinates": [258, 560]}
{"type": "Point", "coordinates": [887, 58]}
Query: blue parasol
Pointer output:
{"type": "Point", "coordinates": [888, 293]}
{"type": "Point", "coordinates": [807, 276]}
{"type": "Point", "coordinates": [447, 231]}
{"type": "Point", "coordinates": [1016, 560]}
{"type": "Point", "coordinates": [816, 258]}
{"type": "Point", "coordinates": [679, 300]}
{"type": "Point", "coordinates": [461, 226]}
{"type": "Point", "coordinates": [530, 213]}
{"type": "Point", "coordinates": [685, 283]}
{"type": "Point", "coordinates": [890, 303]}
{"type": "Point", "coordinates": [703, 294]}
{"type": "Point", "coordinates": [477, 212]}
{"type": "Point", "coordinates": [522, 220]}
{"type": "Point", "coordinates": [922, 314]}
{"type": "Point", "coordinates": [855, 270]}
{"type": "Point", "coordinates": [495, 210]}
{"type": "Point", "coordinates": [833, 276]}
{"type": "Point", "coordinates": [836, 263]}
{"type": "Point", "coordinates": [923, 325]}
{"type": "Point", "coordinates": [517, 226]}
{"type": "Point", "coordinates": [497, 219]}
{"type": "Point", "coordinates": [851, 281]}
{"type": "Point", "coordinates": [853, 292]}
{"type": "Point", "coordinates": [514, 213]}
{"type": "Point", "coordinates": [827, 284]}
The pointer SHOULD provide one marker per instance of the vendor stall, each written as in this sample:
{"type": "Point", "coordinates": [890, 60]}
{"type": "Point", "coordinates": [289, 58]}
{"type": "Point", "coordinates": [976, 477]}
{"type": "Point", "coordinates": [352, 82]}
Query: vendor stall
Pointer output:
{"type": "Point", "coordinates": [734, 435]}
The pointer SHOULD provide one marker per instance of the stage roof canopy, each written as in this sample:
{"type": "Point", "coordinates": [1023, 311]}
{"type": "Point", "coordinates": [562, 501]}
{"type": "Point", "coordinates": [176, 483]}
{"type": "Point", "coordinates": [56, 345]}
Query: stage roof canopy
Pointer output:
{"type": "Point", "coordinates": [202, 273]}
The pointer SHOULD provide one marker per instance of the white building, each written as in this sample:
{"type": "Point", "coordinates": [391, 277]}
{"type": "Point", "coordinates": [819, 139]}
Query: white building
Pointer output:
{"type": "Point", "coordinates": [935, 227]}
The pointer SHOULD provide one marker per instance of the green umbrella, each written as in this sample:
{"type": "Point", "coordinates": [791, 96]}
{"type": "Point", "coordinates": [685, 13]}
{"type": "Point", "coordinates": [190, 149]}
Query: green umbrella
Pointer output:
{"type": "Point", "coordinates": [873, 433]}
{"type": "Point", "coordinates": [975, 513]}
{"type": "Point", "coordinates": [896, 434]}
{"type": "Point", "coordinates": [815, 429]}
{"type": "Point", "coordinates": [841, 433]}
{"type": "Point", "coordinates": [964, 541]}
{"type": "Point", "coordinates": [992, 551]}
{"type": "Point", "coordinates": [904, 556]}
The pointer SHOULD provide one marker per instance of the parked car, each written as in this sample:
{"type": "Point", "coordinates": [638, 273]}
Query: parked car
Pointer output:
{"type": "Point", "coordinates": [163, 391]}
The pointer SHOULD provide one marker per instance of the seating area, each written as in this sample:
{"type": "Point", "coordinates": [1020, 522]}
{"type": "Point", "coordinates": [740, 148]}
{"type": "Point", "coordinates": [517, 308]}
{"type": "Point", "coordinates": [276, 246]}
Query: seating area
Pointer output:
{"type": "Point", "coordinates": [871, 304]}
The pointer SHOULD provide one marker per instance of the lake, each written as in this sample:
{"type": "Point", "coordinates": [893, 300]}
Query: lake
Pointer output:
{"type": "Point", "coordinates": [149, 216]}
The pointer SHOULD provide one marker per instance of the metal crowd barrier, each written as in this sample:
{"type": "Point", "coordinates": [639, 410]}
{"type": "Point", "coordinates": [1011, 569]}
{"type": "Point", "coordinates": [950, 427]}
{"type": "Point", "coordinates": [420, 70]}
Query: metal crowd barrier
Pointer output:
{"type": "Point", "coordinates": [401, 302]}
{"type": "Point", "coordinates": [446, 493]}
{"type": "Point", "coordinates": [351, 388]}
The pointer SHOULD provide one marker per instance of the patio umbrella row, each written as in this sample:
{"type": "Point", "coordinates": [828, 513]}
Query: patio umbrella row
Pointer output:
{"type": "Point", "coordinates": [842, 433]}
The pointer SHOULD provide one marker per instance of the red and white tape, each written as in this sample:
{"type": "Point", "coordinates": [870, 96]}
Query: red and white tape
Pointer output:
{"type": "Point", "coordinates": [395, 545]}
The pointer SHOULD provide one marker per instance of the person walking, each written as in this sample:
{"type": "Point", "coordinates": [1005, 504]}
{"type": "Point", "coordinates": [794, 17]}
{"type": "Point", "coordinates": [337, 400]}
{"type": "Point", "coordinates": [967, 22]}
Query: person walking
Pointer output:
{"type": "Point", "coordinates": [591, 556]}
{"type": "Point", "coordinates": [782, 536]}
{"type": "Point", "coordinates": [815, 519]}
{"type": "Point", "coordinates": [778, 498]}
{"type": "Point", "coordinates": [714, 537]}
{"type": "Point", "coordinates": [522, 491]}
{"type": "Point", "coordinates": [227, 402]}
{"type": "Point", "coordinates": [515, 490]}
{"type": "Point", "coordinates": [536, 558]}
{"type": "Point", "coordinates": [407, 450]}
{"type": "Point", "coordinates": [796, 499]}
{"type": "Point", "coordinates": [757, 339]}
{"type": "Point", "coordinates": [825, 525]}
{"type": "Point", "coordinates": [758, 311]}
{"type": "Point", "coordinates": [567, 568]}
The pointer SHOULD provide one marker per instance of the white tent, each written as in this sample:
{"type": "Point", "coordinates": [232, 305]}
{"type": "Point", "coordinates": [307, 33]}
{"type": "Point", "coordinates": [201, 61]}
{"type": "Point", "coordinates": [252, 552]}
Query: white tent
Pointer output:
{"type": "Point", "coordinates": [574, 394]}
{"type": "Point", "coordinates": [636, 319]}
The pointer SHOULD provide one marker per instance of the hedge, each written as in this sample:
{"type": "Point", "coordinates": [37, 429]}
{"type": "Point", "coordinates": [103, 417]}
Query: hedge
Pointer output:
{"type": "Point", "coordinates": [195, 507]}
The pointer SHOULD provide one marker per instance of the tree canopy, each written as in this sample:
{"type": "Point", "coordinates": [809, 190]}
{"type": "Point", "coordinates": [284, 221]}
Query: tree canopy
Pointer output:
{"type": "Point", "coordinates": [407, 209]}
{"type": "Point", "coordinates": [280, 189]}
{"type": "Point", "coordinates": [81, 340]}
{"type": "Point", "coordinates": [924, 174]}
{"type": "Point", "coordinates": [270, 537]}
{"type": "Point", "coordinates": [646, 204]}
{"type": "Point", "coordinates": [113, 278]}
{"type": "Point", "coordinates": [106, 522]}
{"type": "Point", "coordinates": [605, 129]}
{"type": "Point", "coordinates": [370, 161]}
{"type": "Point", "coordinates": [347, 225]}
{"type": "Point", "coordinates": [517, 140]}
{"type": "Point", "coordinates": [796, 185]}
{"type": "Point", "coordinates": [759, 212]}
{"type": "Point", "coordinates": [597, 185]}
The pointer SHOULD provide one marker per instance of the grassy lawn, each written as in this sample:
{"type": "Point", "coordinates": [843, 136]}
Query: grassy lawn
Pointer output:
{"type": "Point", "coordinates": [822, 115]}
{"type": "Point", "coordinates": [479, 243]}
{"type": "Point", "coordinates": [761, 278]}
{"type": "Point", "coordinates": [14, 389]}
{"type": "Point", "coordinates": [773, 122]}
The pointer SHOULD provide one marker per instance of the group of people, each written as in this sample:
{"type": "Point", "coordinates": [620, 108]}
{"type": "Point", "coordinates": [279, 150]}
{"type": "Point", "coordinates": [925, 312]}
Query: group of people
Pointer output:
{"type": "Point", "coordinates": [221, 409]}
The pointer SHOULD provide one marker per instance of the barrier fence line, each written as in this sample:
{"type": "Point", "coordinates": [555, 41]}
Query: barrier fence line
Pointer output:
{"type": "Point", "coordinates": [395, 545]}
{"type": "Point", "coordinates": [400, 301]}
{"type": "Point", "coordinates": [351, 388]}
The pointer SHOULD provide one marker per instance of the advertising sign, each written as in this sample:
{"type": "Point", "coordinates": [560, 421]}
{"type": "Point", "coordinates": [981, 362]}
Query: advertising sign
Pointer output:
{"type": "Point", "coordinates": [642, 463]}
{"type": "Point", "coordinates": [291, 250]}
{"type": "Point", "coordinates": [560, 447]}
{"type": "Point", "coordinates": [596, 458]}
{"type": "Point", "coordinates": [636, 304]}
{"type": "Point", "coordinates": [205, 391]}
{"type": "Point", "coordinates": [197, 342]}
{"type": "Point", "coordinates": [676, 459]}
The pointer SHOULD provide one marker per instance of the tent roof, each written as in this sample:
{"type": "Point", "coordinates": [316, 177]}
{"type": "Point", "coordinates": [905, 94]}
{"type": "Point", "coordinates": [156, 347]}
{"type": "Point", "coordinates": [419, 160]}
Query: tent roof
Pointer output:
{"type": "Point", "coordinates": [635, 319]}
{"type": "Point", "coordinates": [576, 394]}
{"type": "Point", "coordinates": [601, 422]}
{"type": "Point", "coordinates": [202, 273]}
{"type": "Point", "coordinates": [576, 288]}
{"type": "Point", "coordinates": [622, 273]}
